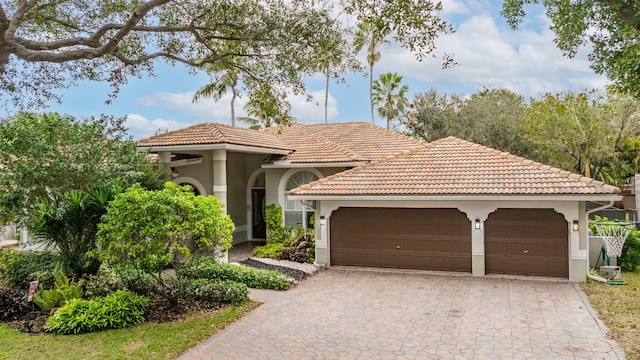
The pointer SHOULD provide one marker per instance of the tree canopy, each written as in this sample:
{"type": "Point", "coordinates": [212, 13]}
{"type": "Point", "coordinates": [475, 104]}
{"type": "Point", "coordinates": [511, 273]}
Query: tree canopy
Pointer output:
{"type": "Point", "coordinates": [580, 132]}
{"type": "Point", "coordinates": [490, 117]}
{"type": "Point", "coordinates": [610, 27]}
{"type": "Point", "coordinates": [49, 46]}
{"type": "Point", "coordinates": [45, 156]}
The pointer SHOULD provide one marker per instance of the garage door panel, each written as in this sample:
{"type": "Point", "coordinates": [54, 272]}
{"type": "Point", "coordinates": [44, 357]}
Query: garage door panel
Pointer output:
{"type": "Point", "coordinates": [436, 239]}
{"type": "Point", "coordinates": [527, 242]}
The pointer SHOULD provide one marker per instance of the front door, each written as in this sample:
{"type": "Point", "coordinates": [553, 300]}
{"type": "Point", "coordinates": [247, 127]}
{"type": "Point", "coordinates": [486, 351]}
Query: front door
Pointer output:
{"type": "Point", "coordinates": [257, 205]}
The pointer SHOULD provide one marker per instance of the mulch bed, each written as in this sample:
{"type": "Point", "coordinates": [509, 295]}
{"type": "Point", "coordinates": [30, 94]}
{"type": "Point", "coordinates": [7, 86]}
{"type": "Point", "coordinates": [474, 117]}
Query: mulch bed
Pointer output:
{"type": "Point", "coordinates": [296, 274]}
{"type": "Point", "coordinates": [160, 311]}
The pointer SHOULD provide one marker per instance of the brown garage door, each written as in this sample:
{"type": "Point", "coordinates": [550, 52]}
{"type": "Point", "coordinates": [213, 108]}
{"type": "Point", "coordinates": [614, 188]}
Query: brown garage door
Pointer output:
{"type": "Point", "coordinates": [433, 239]}
{"type": "Point", "coordinates": [527, 242]}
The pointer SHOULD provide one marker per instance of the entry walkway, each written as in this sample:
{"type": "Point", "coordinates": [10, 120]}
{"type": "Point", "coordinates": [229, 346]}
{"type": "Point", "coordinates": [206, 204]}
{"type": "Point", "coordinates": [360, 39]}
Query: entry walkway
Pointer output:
{"type": "Point", "coordinates": [363, 314]}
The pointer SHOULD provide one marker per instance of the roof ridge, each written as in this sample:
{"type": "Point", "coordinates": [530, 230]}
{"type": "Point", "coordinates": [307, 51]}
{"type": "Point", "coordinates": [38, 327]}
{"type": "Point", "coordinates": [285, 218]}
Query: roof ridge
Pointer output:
{"type": "Point", "coordinates": [534, 164]}
{"type": "Point", "coordinates": [215, 130]}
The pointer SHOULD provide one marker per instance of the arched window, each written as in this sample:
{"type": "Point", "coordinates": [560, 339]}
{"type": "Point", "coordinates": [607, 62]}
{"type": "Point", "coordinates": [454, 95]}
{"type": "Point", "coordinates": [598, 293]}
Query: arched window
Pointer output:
{"type": "Point", "coordinates": [296, 212]}
{"type": "Point", "coordinates": [192, 188]}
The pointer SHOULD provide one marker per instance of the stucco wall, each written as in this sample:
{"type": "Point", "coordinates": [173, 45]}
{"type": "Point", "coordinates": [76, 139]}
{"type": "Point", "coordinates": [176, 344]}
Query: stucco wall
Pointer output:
{"type": "Point", "coordinates": [203, 173]}
{"type": "Point", "coordinates": [474, 210]}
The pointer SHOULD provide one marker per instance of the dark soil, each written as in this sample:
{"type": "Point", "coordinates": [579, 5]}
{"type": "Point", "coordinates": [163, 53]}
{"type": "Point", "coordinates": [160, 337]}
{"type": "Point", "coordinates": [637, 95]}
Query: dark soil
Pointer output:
{"type": "Point", "coordinates": [296, 274]}
{"type": "Point", "coordinates": [160, 311]}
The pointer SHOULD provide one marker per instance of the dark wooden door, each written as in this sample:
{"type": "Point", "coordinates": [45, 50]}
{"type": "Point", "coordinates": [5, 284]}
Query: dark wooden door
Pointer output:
{"type": "Point", "coordinates": [258, 223]}
{"type": "Point", "coordinates": [527, 242]}
{"type": "Point", "coordinates": [433, 239]}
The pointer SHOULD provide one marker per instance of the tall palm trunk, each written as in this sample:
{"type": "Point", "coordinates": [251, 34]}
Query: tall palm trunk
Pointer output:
{"type": "Point", "coordinates": [233, 102]}
{"type": "Point", "coordinates": [371, 90]}
{"type": "Point", "coordinates": [326, 96]}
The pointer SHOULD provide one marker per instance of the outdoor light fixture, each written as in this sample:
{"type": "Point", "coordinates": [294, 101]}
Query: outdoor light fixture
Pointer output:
{"type": "Point", "coordinates": [323, 221]}
{"type": "Point", "coordinates": [477, 224]}
{"type": "Point", "coordinates": [576, 225]}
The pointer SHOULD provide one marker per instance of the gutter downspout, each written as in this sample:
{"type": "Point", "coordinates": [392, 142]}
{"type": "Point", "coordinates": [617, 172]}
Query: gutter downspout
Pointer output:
{"type": "Point", "coordinates": [592, 277]}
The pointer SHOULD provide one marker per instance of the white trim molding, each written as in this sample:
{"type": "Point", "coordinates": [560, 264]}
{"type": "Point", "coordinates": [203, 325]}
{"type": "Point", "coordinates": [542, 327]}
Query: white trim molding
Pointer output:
{"type": "Point", "coordinates": [228, 147]}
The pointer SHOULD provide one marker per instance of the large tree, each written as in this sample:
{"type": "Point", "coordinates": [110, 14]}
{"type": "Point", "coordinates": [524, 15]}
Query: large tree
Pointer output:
{"type": "Point", "coordinates": [580, 132]}
{"type": "Point", "coordinates": [45, 46]}
{"type": "Point", "coordinates": [611, 28]}
{"type": "Point", "coordinates": [44, 157]}
{"type": "Point", "coordinates": [435, 116]}
{"type": "Point", "coordinates": [391, 96]}
{"type": "Point", "coordinates": [490, 117]}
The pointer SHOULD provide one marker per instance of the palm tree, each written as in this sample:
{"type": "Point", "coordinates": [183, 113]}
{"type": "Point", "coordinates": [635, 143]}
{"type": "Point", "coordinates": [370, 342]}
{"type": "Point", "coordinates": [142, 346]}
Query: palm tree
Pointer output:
{"type": "Point", "coordinates": [390, 95]}
{"type": "Point", "coordinates": [371, 35]}
{"type": "Point", "coordinates": [217, 89]}
{"type": "Point", "coordinates": [267, 107]}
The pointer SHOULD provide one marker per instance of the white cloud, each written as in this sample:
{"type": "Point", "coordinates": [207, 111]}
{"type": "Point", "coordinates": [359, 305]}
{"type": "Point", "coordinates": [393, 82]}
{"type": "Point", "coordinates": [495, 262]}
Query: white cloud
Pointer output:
{"type": "Point", "coordinates": [525, 61]}
{"type": "Point", "coordinates": [309, 112]}
{"type": "Point", "coordinates": [141, 127]}
{"type": "Point", "coordinates": [205, 110]}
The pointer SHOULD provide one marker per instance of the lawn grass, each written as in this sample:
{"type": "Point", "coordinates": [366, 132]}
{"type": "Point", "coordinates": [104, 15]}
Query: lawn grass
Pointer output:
{"type": "Point", "coordinates": [619, 308]}
{"type": "Point", "coordinates": [147, 341]}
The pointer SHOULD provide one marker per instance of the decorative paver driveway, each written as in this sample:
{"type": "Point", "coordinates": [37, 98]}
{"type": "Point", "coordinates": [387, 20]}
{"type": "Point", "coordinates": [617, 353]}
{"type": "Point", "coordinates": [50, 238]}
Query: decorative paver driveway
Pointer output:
{"type": "Point", "coordinates": [364, 314]}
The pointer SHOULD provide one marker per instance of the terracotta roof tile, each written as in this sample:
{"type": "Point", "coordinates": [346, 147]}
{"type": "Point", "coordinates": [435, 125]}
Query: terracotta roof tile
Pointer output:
{"type": "Point", "coordinates": [452, 166]}
{"type": "Point", "coordinates": [213, 133]}
{"type": "Point", "coordinates": [341, 142]}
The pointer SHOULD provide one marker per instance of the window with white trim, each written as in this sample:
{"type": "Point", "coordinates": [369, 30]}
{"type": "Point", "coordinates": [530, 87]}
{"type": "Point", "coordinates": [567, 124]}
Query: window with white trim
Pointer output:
{"type": "Point", "coordinates": [298, 213]}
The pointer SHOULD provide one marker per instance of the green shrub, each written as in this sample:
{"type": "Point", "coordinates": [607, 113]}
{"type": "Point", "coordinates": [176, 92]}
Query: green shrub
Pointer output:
{"type": "Point", "coordinates": [103, 283]}
{"type": "Point", "coordinates": [630, 258]}
{"type": "Point", "coordinates": [20, 268]}
{"type": "Point", "coordinates": [274, 221]}
{"type": "Point", "coordinates": [220, 291]}
{"type": "Point", "coordinates": [269, 251]}
{"type": "Point", "coordinates": [63, 291]}
{"type": "Point", "coordinates": [135, 280]}
{"type": "Point", "coordinates": [206, 267]}
{"type": "Point", "coordinates": [118, 310]}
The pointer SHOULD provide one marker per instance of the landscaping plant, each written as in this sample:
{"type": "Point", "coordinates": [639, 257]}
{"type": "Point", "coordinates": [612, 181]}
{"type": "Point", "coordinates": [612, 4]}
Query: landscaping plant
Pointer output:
{"type": "Point", "coordinates": [18, 269]}
{"type": "Point", "coordinates": [118, 310]}
{"type": "Point", "coordinates": [206, 267]}
{"type": "Point", "coordinates": [220, 291]}
{"type": "Point", "coordinates": [63, 291]}
{"type": "Point", "coordinates": [13, 304]}
{"type": "Point", "coordinates": [152, 230]}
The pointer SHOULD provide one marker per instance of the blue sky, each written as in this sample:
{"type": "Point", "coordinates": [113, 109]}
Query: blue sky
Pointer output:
{"type": "Point", "coordinates": [488, 52]}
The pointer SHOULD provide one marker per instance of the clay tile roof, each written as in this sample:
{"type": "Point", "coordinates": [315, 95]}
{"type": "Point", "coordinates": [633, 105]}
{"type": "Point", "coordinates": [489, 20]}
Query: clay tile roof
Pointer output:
{"type": "Point", "coordinates": [213, 133]}
{"type": "Point", "coordinates": [453, 167]}
{"type": "Point", "coordinates": [340, 142]}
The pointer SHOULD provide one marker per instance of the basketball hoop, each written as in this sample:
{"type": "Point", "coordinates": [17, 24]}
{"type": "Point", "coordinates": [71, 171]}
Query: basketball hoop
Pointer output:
{"type": "Point", "coordinates": [614, 234]}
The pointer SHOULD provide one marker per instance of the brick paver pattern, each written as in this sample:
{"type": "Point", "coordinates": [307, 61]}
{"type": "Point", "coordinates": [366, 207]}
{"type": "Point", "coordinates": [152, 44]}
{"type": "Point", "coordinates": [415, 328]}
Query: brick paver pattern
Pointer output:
{"type": "Point", "coordinates": [362, 314]}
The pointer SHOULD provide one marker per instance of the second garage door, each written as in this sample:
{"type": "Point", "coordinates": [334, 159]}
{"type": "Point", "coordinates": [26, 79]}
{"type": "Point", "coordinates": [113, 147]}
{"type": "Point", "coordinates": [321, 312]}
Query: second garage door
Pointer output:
{"type": "Point", "coordinates": [527, 242]}
{"type": "Point", "coordinates": [432, 239]}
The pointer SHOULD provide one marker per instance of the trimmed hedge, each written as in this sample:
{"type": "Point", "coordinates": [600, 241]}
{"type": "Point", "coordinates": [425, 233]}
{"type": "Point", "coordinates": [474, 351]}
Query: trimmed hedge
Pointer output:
{"type": "Point", "coordinates": [118, 310]}
{"type": "Point", "coordinates": [221, 291]}
{"type": "Point", "coordinates": [206, 267]}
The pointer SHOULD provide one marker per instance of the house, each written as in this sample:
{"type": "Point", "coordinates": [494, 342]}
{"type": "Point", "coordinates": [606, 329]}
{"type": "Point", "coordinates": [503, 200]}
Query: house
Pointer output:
{"type": "Point", "coordinates": [386, 200]}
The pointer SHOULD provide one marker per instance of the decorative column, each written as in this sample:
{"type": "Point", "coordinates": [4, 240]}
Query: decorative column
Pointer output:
{"type": "Point", "coordinates": [220, 187]}
{"type": "Point", "coordinates": [164, 157]}
{"type": "Point", "coordinates": [220, 176]}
